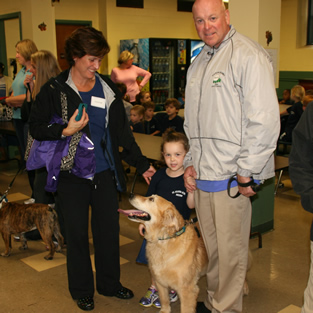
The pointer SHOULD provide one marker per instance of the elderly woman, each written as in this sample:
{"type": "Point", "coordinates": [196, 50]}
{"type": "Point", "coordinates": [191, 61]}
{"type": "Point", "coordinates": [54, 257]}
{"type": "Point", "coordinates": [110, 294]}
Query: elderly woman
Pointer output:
{"type": "Point", "coordinates": [107, 127]}
{"type": "Point", "coordinates": [127, 73]}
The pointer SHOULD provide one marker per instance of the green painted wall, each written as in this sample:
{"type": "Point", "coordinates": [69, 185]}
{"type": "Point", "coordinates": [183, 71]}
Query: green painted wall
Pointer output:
{"type": "Point", "coordinates": [288, 79]}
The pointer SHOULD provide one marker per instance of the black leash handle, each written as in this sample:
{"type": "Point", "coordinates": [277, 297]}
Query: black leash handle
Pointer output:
{"type": "Point", "coordinates": [255, 187]}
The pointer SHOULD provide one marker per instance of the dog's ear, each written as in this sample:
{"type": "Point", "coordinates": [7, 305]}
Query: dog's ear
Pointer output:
{"type": "Point", "coordinates": [170, 220]}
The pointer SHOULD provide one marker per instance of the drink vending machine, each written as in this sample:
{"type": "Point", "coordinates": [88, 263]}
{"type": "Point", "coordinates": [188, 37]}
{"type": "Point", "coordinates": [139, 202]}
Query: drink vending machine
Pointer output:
{"type": "Point", "coordinates": [167, 60]}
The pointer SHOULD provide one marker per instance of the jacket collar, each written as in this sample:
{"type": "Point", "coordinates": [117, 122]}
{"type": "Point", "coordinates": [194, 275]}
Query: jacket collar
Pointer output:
{"type": "Point", "coordinates": [229, 35]}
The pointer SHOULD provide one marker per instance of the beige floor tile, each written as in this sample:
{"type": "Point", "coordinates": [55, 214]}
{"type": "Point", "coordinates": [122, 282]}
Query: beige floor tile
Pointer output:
{"type": "Point", "coordinates": [291, 309]}
{"type": "Point", "coordinates": [38, 263]}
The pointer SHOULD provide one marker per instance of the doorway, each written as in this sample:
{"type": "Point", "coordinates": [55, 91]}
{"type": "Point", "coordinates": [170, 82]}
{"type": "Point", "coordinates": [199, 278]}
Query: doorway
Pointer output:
{"type": "Point", "coordinates": [63, 31]}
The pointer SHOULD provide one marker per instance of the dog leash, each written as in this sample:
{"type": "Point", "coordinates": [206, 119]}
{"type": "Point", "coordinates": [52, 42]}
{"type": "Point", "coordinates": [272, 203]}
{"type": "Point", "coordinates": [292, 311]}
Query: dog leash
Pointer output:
{"type": "Point", "coordinates": [10, 185]}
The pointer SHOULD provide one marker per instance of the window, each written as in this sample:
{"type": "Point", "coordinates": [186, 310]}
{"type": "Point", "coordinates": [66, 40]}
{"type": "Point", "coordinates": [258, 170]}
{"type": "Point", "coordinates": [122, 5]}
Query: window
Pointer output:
{"type": "Point", "coordinates": [130, 3]}
{"type": "Point", "coordinates": [310, 24]}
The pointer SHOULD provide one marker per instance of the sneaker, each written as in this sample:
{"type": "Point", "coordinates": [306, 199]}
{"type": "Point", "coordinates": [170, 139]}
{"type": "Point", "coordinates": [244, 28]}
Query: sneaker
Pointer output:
{"type": "Point", "coordinates": [149, 298]}
{"type": "Point", "coordinates": [173, 298]}
{"type": "Point", "coordinates": [29, 201]}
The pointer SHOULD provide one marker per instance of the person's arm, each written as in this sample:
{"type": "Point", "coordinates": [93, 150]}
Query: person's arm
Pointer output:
{"type": "Point", "coordinates": [145, 74]}
{"type": "Point", "coordinates": [191, 200]}
{"type": "Point", "coordinates": [301, 158]}
{"type": "Point", "coordinates": [113, 76]}
{"type": "Point", "coordinates": [261, 121]}
{"type": "Point", "coordinates": [15, 101]}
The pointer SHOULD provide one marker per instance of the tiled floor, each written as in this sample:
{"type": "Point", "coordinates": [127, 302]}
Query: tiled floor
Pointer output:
{"type": "Point", "coordinates": [29, 283]}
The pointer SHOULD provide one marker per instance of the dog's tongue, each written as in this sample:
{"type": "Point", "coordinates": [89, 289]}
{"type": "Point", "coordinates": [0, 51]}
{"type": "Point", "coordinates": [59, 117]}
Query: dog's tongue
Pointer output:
{"type": "Point", "coordinates": [130, 212]}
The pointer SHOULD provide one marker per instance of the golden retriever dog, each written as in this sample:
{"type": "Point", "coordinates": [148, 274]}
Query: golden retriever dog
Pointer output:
{"type": "Point", "coordinates": [19, 218]}
{"type": "Point", "coordinates": [177, 256]}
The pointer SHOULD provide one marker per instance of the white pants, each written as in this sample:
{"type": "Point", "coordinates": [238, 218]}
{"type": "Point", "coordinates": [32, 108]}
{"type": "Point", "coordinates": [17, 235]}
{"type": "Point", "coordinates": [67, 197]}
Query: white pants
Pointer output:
{"type": "Point", "coordinates": [225, 226]}
{"type": "Point", "coordinates": [308, 293]}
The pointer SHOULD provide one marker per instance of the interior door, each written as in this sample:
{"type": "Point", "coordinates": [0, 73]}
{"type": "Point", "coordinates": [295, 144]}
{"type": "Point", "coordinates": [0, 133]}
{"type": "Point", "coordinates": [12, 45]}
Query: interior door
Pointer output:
{"type": "Point", "coordinates": [63, 31]}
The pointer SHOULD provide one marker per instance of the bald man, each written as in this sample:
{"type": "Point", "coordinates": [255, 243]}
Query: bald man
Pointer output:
{"type": "Point", "coordinates": [232, 123]}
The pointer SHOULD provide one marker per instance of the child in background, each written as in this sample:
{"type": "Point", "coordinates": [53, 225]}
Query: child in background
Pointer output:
{"type": "Point", "coordinates": [168, 183]}
{"type": "Point", "coordinates": [143, 96]}
{"type": "Point", "coordinates": [172, 120]}
{"type": "Point", "coordinates": [127, 105]}
{"type": "Point", "coordinates": [137, 113]}
{"type": "Point", "coordinates": [151, 123]}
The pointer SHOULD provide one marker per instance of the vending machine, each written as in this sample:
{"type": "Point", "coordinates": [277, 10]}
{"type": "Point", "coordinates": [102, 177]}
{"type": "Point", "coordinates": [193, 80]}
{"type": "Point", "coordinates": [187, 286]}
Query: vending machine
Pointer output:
{"type": "Point", "coordinates": [166, 59]}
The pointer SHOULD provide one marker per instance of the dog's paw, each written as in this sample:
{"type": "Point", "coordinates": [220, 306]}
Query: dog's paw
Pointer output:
{"type": "Point", "coordinates": [48, 257]}
{"type": "Point", "coordinates": [5, 254]}
{"type": "Point", "coordinates": [24, 247]}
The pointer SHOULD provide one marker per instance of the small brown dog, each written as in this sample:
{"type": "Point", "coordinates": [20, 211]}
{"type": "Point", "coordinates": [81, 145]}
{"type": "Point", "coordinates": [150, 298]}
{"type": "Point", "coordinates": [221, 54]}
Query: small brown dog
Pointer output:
{"type": "Point", "coordinates": [19, 218]}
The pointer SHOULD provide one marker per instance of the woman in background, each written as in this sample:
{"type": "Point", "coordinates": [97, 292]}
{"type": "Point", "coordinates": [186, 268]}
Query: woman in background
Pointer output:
{"type": "Point", "coordinates": [127, 73]}
{"type": "Point", "coordinates": [44, 66]}
{"type": "Point", "coordinates": [24, 49]}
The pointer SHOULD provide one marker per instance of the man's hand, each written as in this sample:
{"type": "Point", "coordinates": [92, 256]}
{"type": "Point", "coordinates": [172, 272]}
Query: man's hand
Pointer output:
{"type": "Point", "coordinates": [190, 179]}
{"type": "Point", "coordinates": [245, 191]}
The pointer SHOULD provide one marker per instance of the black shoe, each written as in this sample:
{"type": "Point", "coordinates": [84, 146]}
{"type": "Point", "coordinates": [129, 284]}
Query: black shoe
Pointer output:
{"type": "Point", "coordinates": [124, 293]}
{"type": "Point", "coordinates": [201, 308]}
{"type": "Point", "coordinates": [86, 303]}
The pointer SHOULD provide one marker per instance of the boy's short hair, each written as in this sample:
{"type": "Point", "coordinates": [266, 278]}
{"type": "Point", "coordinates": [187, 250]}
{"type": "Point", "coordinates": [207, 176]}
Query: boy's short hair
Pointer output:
{"type": "Point", "coordinates": [307, 99]}
{"type": "Point", "coordinates": [149, 105]}
{"type": "Point", "coordinates": [139, 109]}
{"type": "Point", "coordinates": [173, 101]}
{"type": "Point", "coordinates": [309, 92]}
{"type": "Point", "coordinates": [122, 87]}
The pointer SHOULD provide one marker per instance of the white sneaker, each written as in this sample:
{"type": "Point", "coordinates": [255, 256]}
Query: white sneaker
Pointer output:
{"type": "Point", "coordinates": [29, 201]}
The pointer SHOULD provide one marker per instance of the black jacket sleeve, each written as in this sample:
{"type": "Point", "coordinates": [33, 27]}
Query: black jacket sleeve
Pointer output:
{"type": "Point", "coordinates": [301, 158]}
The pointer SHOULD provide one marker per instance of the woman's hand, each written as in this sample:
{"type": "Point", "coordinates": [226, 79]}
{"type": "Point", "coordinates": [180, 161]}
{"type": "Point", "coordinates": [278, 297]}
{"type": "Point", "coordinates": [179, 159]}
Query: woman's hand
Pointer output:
{"type": "Point", "coordinates": [29, 81]}
{"type": "Point", "coordinates": [190, 176]}
{"type": "Point", "coordinates": [74, 126]}
{"type": "Point", "coordinates": [148, 174]}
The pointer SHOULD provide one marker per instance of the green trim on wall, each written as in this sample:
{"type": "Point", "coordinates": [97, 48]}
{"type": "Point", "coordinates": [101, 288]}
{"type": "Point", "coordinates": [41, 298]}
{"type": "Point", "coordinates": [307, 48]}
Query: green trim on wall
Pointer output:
{"type": "Point", "coordinates": [73, 22]}
{"type": "Point", "coordinates": [288, 79]}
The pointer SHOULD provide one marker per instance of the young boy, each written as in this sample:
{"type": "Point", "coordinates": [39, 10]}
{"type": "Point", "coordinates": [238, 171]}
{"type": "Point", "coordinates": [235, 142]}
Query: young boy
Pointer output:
{"type": "Point", "coordinates": [151, 123]}
{"type": "Point", "coordinates": [136, 118]}
{"type": "Point", "coordinates": [172, 120]}
{"type": "Point", "coordinates": [123, 89]}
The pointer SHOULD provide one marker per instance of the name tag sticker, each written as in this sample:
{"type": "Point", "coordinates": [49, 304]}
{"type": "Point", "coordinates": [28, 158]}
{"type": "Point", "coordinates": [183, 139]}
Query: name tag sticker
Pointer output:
{"type": "Point", "coordinates": [98, 102]}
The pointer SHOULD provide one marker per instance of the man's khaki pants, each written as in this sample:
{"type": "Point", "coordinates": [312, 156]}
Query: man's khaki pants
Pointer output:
{"type": "Point", "coordinates": [225, 226]}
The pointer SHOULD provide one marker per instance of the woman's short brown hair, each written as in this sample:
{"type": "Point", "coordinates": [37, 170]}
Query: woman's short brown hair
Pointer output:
{"type": "Point", "coordinates": [85, 40]}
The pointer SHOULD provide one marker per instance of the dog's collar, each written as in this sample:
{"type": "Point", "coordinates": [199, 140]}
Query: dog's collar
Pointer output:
{"type": "Point", "coordinates": [178, 233]}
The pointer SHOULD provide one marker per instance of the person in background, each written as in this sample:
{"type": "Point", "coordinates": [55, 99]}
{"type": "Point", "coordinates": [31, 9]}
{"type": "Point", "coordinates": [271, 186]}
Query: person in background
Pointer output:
{"type": "Point", "coordinates": [143, 96]}
{"type": "Point", "coordinates": [232, 126]}
{"type": "Point", "coordinates": [44, 66]}
{"type": "Point", "coordinates": [128, 73]}
{"type": "Point", "coordinates": [181, 99]}
{"type": "Point", "coordinates": [168, 182]}
{"type": "Point", "coordinates": [301, 175]}
{"type": "Point", "coordinates": [137, 113]}
{"type": "Point", "coordinates": [294, 113]}
{"type": "Point", "coordinates": [286, 97]}
{"type": "Point", "coordinates": [5, 83]}
{"type": "Point", "coordinates": [127, 105]}
{"type": "Point", "coordinates": [151, 123]}
{"type": "Point", "coordinates": [24, 49]}
{"type": "Point", "coordinates": [5, 111]}
{"type": "Point", "coordinates": [104, 129]}
{"type": "Point", "coordinates": [172, 119]}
